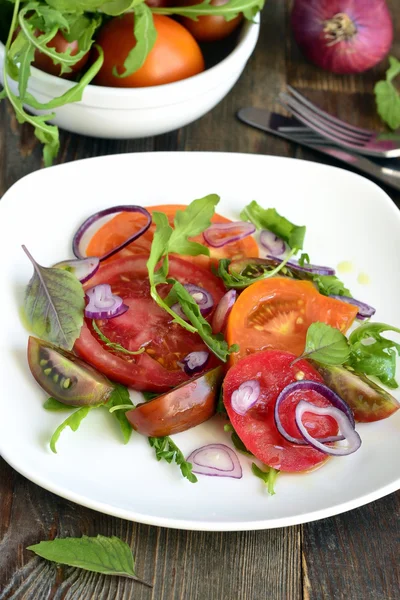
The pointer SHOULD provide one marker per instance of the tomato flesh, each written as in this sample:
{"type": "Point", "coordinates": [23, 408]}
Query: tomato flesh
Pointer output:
{"type": "Point", "coordinates": [210, 28]}
{"type": "Point", "coordinates": [115, 231]}
{"type": "Point", "coordinates": [146, 325]}
{"type": "Point", "coordinates": [175, 55]}
{"type": "Point", "coordinates": [257, 429]}
{"type": "Point", "coordinates": [276, 313]}
{"type": "Point", "coordinates": [182, 408]}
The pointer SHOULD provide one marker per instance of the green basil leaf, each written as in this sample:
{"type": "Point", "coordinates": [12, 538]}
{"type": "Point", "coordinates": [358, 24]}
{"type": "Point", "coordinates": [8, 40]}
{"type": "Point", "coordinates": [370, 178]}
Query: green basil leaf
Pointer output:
{"type": "Point", "coordinates": [326, 345]}
{"type": "Point", "coordinates": [374, 355]}
{"type": "Point", "coordinates": [54, 305]}
{"type": "Point", "coordinates": [269, 218]}
{"type": "Point", "coordinates": [120, 397]}
{"type": "Point", "coordinates": [145, 35]}
{"type": "Point", "coordinates": [73, 422]}
{"type": "Point", "coordinates": [167, 450]}
{"type": "Point", "coordinates": [106, 555]}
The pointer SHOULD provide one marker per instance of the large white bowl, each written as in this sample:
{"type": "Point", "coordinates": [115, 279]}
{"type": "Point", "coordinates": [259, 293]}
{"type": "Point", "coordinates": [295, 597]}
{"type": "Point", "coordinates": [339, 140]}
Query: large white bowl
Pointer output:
{"type": "Point", "coordinates": [141, 112]}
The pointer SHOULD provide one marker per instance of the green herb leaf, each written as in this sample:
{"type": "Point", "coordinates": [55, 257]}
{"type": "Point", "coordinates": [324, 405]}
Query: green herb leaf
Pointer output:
{"type": "Point", "coordinates": [190, 222]}
{"type": "Point", "coordinates": [118, 7]}
{"type": "Point", "coordinates": [330, 284]}
{"type": "Point", "coordinates": [111, 344]}
{"type": "Point", "coordinates": [326, 345]}
{"type": "Point", "coordinates": [239, 445]}
{"type": "Point", "coordinates": [54, 305]}
{"type": "Point", "coordinates": [54, 405]}
{"type": "Point", "coordinates": [269, 218]}
{"type": "Point", "coordinates": [106, 555]}
{"type": "Point", "coordinates": [304, 258]}
{"type": "Point", "coordinates": [374, 355]}
{"type": "Point", "coordinates": [229, 11]}
{"type": "Point", "coordinates": [73, 422]}
{"type": "Point", "coordinates": [120, 397]}
{"type": "Point", "coordinates": [145, 35]}
{"type": "Point", "coordinates": [216, 343]}
{"type": "Point", "coordinates": [251, 274]}
{"type": "Point", "coordinates": [268, 477]}
{"type": "Point", "coordinates": [167, 450]}
{"type": "Point", "coordinates": [149, 395]}
{"type": "Point", "coordinates": [387, 97]}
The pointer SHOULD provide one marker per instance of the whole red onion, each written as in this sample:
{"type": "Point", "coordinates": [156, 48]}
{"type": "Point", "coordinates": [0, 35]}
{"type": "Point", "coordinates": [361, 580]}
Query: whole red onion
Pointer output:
{"type": "Point", "coordinates": [343, 36]}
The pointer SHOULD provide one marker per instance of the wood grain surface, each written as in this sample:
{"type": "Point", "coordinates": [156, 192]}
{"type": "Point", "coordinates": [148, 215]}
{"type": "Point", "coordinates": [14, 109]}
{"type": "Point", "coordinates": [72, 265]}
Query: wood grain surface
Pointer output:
{"type": "Point", "coordinates": [352, 556]}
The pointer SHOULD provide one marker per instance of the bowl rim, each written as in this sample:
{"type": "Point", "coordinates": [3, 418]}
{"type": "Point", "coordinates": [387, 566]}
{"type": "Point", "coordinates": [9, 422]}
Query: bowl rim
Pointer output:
{"type": "Point", "coordinates": [250, 31]}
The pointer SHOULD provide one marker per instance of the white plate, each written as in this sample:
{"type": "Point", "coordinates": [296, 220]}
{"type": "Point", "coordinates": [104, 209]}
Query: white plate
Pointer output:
{"type": "Point", "coordinates": [347, 218]}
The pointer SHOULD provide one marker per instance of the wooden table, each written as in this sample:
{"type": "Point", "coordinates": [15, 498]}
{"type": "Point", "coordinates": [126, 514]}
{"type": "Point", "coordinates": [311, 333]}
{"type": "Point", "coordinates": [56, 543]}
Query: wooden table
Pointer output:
{"type": "Point", "coordinates": [351, 556]}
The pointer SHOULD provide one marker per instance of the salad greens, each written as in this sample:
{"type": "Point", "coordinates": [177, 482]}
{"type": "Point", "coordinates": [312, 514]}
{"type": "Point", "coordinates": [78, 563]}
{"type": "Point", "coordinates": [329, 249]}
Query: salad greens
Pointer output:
{"type": "Point", "coordinates": [325, 344]}
{"type": "Point", "coordinates": [269, 218]}
{"type": "Point", "coordinates": [112, 345]}
{"type": "Point", "coordinates": [167, 450]}
{"type": "Point", "coordinates": [27, 26]}
{"type": "Point", "coordinates": [106, 555]}
{"type": "Point", "coordinates": [54, 304]}
{"type": "Point", "coordinates": [73, 422]}
{"type": "Point", "coordinates": [268, 477]}
{"type": "Point", "coordinates": [387, 96]}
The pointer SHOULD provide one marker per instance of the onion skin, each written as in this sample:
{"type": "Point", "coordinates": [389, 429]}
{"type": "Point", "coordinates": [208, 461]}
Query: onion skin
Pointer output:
{"type": "Point", "coordinates": [368, 41]}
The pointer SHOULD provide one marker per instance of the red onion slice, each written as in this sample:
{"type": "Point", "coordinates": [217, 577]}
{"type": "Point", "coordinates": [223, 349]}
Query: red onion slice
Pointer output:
{"type": "Point", "coordinates": [203, 298]}
{"type": "Point", "coordinates": [245, 396]}
{"type": "Point", "coordinates": [222, 311]}
{"type": "Point", "coordinates": [312, 269]}
{"type": "Point", "coordinates": [238, 229]}
{"type": "Point", "coordinates": [195, 362]}
{"type": "Point", "coordinates": [103, 304]}
{"type": "Point", "coordinates": [272, 243]}
{"type": "Point", "coordinates": [76, 242]}
{"type": "Point", "coordinates": [345, 426]}
{"type": "Point", "coordinates": [83, 268]}
{"type": "Point", "coordinates": [364, 310]}
{"type": "Point", "coordinates": [215, 460]}
{"type": "Point", "coordinates": [323, 390]}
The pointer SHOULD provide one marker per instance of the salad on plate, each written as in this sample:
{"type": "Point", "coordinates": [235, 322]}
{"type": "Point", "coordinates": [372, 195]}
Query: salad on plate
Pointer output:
{"type": "Point", "coordinates": [206, 316]}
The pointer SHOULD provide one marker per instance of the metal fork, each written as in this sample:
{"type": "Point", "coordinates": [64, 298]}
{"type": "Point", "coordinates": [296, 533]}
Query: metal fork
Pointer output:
{"type": "Point", "coordinates": [362, 141]}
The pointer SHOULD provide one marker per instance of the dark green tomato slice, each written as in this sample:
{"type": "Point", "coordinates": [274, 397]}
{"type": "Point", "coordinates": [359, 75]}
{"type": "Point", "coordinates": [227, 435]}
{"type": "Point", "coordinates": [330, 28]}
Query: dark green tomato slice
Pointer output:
{"type": "Point", "coordinates": [368, 401]}
{"type": "Point", "coordinates": [66, 377]}
{"type": "Point", "coordinates": [180, 409]}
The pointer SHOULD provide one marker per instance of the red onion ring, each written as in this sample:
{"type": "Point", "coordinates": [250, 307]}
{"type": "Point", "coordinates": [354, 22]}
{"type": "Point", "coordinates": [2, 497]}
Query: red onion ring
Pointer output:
{"type": "Point", "coordinates": [364, 310]}
{"type": "Point", "coordinates": [222, 311]}
{"type": "Point", "coordinates": [214, 240]}
{"type": "Point", "coordinates": [271, 242]}
{"type": "Point", "coordinates": [312, 269]}
{"type": "Point", "coordinates": [245, 396]}
{"type": "Point", "coordinates": [194, 362]}
{"type": "Point", "coordinates": [345, 426]}
{"type": "Point", "coordinates": [103, 304]}
{"type": "Point", "coordinates": [104, 213]}
{"type": "Point", "coordinates": [83, 268]}
{"type": "Point", "coordinates": [323, 390]}
{"type": "Point", "coordinates": [207, 461]}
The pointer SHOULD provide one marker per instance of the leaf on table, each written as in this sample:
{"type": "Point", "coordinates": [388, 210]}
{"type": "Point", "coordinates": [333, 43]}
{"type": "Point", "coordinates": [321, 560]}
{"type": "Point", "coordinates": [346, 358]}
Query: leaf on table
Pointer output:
{"type": "Point", "coordinates": [101, 554]}
{"type": "Point", "coordinates": [54, 305]}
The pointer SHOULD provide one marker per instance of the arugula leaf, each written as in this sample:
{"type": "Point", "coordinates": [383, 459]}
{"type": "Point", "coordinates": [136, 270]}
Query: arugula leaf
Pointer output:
{"type": "Point", "coordinates": [73, 422]}
{"type": "Point", "coordinates": [304, 258]}
{"type": "Point", "coordinates": [216, 343]}
{"type": "Point", "coordinates": [120, 397]}
{"type": "Point", "coordinates": [167, 450]}
{"type": "Point", "coordinates": [229, 11]}
{"type": "Point", "coordinates": [252, 273]}
{"type": "Point", "coordinates": [106, 555]}
{"type": "Point", "coordinates": [373, 354]}
{"type": "Point", "coordinates": [326, 345]}
{"type": "Point", "coordinates": [145, 35]}
{"type": "Point", "coordinates": [239, 445]}
{"type": "Point", "coordinates": [190, 222]}
{"type": "Point", "coordinates": [149, 395]}
{"type": "Point", "coordinates": [269, 218]}
{"type": "Point", "coordinates": [118, 7]}
{"type": "Point", "coordinates": [330, 284]}
{"type": "Point", "coordinates": [268, 477]}
{"type": "Point", "coordinates": [387, 97]}
{"type": "Point", "coordinates": [54, 405]}
{"type": "Point", "coordinates": [54, 305]}
{"type": "Point", "coordinates": [112, 345]}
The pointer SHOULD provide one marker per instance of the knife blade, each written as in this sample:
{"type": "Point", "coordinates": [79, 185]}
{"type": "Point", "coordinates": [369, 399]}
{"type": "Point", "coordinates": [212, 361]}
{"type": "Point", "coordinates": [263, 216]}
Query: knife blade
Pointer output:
{"type": "Point", "coordinates": [260, 118]}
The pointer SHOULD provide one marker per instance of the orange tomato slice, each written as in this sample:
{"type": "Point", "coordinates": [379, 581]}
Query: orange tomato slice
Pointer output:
{"type": "Point", "coordinates": [115, 231]}
{"type": "Point", "coordinates": [275, 314]}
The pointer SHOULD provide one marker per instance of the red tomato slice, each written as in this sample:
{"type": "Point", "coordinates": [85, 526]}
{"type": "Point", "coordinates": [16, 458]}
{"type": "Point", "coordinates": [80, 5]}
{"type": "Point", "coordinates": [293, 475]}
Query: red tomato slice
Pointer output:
{"type": "Point", "coordinates": [145, 323]}
{"type": "Point", "coordinates": [119, 228]}
{"type": "Point", "coordinates": [276, 313]}
{"type": "Point", "coordinates": [257, 428]}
